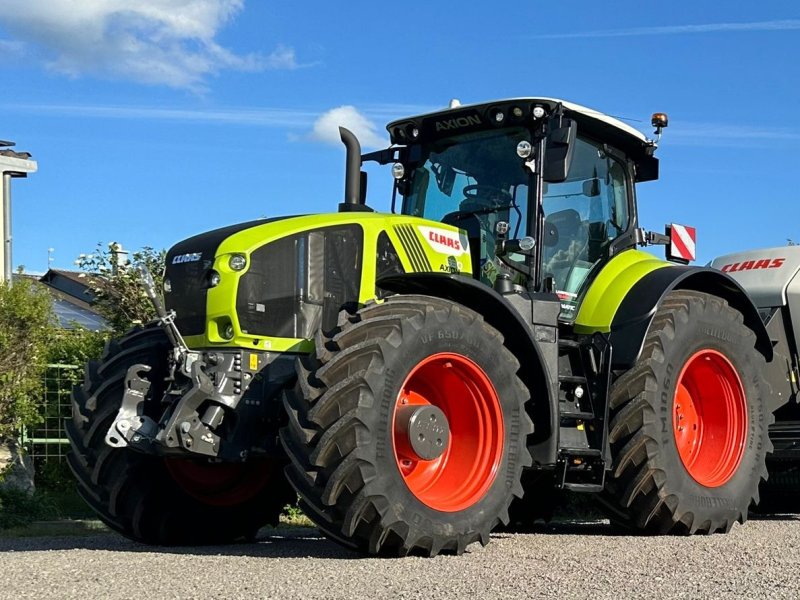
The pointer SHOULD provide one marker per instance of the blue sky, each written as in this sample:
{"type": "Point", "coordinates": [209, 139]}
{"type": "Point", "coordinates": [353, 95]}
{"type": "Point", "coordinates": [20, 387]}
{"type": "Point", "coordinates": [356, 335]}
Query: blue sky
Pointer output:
{"type": "Point", "coordinates": [153, 120]}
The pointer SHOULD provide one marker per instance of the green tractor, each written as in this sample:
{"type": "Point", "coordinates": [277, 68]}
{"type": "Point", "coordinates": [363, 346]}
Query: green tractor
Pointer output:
{"type": "Point", "coordinates": [422, 377]}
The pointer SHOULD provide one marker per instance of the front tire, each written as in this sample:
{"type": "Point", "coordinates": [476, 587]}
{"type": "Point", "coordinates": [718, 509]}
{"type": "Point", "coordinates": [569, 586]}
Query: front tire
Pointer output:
{"type": "Point", "coordinates": [364, 475]}
{"type": "Point", "coordinates": [689, 423]}
{"type": "Point", "coordinates": [155, 500]}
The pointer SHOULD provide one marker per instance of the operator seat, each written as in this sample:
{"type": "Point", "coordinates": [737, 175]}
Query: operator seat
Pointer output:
{"type": "Point", "coordinates": [566, 241]}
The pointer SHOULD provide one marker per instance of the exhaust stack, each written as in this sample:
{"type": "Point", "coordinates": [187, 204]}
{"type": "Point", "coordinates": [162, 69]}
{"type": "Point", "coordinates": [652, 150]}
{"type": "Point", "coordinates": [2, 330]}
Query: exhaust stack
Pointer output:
{"type": "Point", "coordinates": [354, 179]}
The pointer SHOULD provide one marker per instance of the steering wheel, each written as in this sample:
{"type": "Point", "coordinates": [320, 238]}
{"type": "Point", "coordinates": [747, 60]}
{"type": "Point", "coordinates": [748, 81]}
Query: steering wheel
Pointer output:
{"type": "Point", "coordinates": [487, 194]}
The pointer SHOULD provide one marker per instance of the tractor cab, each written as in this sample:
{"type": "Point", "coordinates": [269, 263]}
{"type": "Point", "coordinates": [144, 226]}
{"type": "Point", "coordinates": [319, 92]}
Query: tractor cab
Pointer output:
{"type": "Point", "coordinates": [555, 174]}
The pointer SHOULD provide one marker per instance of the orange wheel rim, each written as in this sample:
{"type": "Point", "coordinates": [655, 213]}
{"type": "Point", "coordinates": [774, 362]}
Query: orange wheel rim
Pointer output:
{"type": "Point", "coordinates": [472, 449]}
{"type": "Point", "coordinates": [710, 418]}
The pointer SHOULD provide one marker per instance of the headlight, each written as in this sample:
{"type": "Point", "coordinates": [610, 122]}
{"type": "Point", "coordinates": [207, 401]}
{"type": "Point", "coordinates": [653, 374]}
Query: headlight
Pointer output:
{"type": "Point", "coordinates": [228, 332]}
{"type": "Point", "coordinates": [214, 279]}
{"type": "Point", "coordinates": [167, 285]}
{"type": "Point", "coordinates": [237, 262]}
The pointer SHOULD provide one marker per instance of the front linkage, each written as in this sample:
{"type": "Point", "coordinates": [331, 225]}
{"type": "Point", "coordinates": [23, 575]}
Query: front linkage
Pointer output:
{"type": "Point", "coordinates": [204, 394]}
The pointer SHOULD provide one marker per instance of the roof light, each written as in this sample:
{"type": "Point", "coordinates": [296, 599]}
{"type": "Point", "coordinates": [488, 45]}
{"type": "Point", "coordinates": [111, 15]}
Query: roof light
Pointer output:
{"type": "Point", "coordinates": [499, 116]}
{"type": "Point", "coordinates": [398, 170]}
{"type": "Point", "coordinates": [659, 120]}
{"type": "Point", "coordinates": [516, 111]}
{"type": "Point", "coordinates": [538, 112]}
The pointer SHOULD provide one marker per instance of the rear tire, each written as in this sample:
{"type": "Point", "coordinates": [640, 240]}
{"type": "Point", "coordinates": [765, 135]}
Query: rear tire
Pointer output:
{"type": "Point", "coordinates": [154, 500]}
{"type": "Point", "coordinates": [689, 423]}
{"type": "Point", "coordinates": [356, 479]}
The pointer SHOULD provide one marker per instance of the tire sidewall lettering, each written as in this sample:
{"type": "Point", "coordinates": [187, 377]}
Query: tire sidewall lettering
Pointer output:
{"type": "Point", "coordinates": [739, 351]}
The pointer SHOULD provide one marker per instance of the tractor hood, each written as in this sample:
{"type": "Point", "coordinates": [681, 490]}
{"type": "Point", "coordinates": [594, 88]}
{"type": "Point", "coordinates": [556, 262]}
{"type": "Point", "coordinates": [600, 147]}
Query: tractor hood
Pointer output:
{"type": "Point", "coordinates": [271, 283]}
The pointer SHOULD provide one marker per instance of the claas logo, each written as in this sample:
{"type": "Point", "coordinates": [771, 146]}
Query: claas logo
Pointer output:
{"type": "Point", "coordinates": [751, 265]}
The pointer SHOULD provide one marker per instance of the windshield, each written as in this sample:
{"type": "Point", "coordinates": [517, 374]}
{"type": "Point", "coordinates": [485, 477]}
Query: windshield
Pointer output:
{"type": "Point", "coordinates": [476, 173]}
{"type": "Point", "coordinates": [473, 181]}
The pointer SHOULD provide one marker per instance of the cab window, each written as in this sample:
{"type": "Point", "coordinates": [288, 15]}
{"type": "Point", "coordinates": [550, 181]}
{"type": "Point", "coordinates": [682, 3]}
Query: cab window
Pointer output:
{"type": "Point", "coordinates": [583, 215]}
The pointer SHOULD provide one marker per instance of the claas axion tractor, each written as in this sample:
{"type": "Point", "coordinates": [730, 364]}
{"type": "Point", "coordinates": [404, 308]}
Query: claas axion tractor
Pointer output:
{"type": "Point", "coordinates": [421, 377]}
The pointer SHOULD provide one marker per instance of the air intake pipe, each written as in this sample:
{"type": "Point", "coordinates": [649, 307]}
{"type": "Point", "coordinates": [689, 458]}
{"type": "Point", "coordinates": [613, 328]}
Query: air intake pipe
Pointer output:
{"type": "Point", "coordinates": [355, 180]}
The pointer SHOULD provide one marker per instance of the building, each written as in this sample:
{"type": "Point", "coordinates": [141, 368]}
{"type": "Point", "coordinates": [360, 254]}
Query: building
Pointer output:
{"type": "Point", "coordinates": [73, 299]}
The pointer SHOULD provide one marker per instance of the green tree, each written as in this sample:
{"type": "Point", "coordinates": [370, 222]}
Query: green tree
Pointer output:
{"type": "Point", "coordinates": [27, 327]}
{"type": "Point", "coordinates": [120, 297]}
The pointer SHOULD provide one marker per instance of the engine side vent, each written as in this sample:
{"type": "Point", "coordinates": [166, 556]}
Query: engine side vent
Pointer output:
{"type": "Point", "coordinates": [297, 284]}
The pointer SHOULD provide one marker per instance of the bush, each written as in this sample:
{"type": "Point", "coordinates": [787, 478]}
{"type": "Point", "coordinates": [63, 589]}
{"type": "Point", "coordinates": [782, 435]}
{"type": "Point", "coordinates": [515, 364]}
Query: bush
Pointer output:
{"type": "Point", "coordinates": [26, 331]}
{"type": "Point", "coordinates": [18, 508]}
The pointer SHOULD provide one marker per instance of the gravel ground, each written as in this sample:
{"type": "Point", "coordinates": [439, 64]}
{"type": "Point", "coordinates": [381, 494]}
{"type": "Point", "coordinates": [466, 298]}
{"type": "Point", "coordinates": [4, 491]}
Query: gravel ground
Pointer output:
{"type": "Point", "coordinates": [567, 560]}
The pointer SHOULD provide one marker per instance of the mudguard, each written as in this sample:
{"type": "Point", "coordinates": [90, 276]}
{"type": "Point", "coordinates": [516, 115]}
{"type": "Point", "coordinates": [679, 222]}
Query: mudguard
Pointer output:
{"type": "Point", "coordinates": [632, 319]}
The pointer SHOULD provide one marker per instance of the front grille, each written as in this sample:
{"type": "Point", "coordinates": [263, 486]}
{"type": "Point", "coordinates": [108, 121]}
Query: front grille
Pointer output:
{"type": "Point", "coordinates": [297, 284]}
{"type": "Point", "coordinates": [188, 296]}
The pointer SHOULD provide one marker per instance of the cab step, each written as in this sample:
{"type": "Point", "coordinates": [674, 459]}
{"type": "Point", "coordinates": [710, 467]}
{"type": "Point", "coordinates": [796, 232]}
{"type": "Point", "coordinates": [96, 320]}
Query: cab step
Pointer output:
{"type": "Point", "coordinates": [580, 469]}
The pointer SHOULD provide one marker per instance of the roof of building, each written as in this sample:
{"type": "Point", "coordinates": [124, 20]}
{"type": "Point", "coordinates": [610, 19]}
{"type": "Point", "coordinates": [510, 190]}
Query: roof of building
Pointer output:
{"type": "Point", "coordinates": [73, 299]}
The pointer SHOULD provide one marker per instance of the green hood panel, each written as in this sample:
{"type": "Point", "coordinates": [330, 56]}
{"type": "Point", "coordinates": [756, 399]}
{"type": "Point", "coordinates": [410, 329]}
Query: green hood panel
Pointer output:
{"type": "Point", "coordinates": [420, 245]}
{"type": "Point", "coordinates": [610, 287]}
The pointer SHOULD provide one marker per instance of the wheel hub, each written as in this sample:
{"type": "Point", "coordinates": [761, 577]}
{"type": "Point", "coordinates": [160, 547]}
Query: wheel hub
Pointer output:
{"type": "Point", "coordinates": [425, 429]}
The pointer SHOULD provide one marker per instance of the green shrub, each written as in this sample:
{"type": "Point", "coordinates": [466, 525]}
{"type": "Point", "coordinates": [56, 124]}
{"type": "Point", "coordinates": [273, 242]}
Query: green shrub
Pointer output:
{"type": "Point", "coordinates": [26, 331]}
{"type": "Point", "coordinates": [18, 508]}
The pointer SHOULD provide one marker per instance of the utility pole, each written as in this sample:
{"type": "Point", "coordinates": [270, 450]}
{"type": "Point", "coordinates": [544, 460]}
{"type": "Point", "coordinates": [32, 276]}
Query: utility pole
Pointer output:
{"type": "Point", "coordinates": [12, 165]}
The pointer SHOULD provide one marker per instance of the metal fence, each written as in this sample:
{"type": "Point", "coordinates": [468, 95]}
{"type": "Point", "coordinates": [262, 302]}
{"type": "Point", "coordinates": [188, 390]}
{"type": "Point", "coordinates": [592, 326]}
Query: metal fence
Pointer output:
{"type": "Point", "coordinates": [48, 440]}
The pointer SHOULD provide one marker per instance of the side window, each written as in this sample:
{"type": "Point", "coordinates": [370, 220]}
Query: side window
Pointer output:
{"type": "Point", "coordinates": [582, 216]}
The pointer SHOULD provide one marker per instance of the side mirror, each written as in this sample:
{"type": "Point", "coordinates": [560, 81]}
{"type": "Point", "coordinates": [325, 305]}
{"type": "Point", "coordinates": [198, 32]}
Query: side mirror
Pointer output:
{"type": "Point", "coordinates": [559, 149]}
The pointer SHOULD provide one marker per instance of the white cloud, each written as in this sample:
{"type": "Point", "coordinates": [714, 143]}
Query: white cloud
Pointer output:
{"type": "Point", "coordinates": [782, 25]}
{"type": "Point", "coordinates": [160, 42]}
{"type": "Point", "coordinates": [326, 127]}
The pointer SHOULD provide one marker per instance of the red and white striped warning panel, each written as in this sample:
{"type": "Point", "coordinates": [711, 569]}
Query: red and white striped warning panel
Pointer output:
{"type": "Point", "coordinates": [683, 242]}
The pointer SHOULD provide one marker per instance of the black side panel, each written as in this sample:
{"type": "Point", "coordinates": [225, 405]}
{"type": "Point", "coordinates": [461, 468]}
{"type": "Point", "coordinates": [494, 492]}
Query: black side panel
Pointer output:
{"type": "Point", "coordinates": [634, 315]}
{"type": "Point", "coordinates": [187, 266]}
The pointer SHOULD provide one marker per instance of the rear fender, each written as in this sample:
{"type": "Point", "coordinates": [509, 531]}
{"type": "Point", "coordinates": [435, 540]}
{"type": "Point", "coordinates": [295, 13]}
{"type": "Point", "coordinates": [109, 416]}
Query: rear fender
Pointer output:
{"type": "Point", "coordinates": [634, 315]}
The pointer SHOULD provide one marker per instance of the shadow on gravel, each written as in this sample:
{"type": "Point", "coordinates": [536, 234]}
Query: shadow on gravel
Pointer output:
{"type": "Point", "coordinates": [303, 542]}
{"type": "Point", "coordinates": [584, 527]}
{"type": "Point", "coordinates": [774, 516]}
{"type": "Point", "coordinates": [300, 542]}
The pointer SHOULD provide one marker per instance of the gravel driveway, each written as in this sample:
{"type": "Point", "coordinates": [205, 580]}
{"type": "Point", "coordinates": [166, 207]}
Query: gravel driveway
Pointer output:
{"type": "Point", "coordinates": [578, 560]}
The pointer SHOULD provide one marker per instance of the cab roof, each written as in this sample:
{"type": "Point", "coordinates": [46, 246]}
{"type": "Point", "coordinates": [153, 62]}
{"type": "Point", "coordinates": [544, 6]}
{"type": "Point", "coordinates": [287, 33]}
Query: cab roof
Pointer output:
{"type": "Point", "coordinates": [519, 111]}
